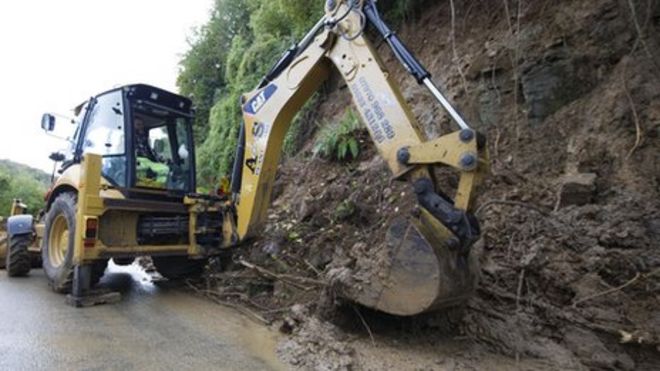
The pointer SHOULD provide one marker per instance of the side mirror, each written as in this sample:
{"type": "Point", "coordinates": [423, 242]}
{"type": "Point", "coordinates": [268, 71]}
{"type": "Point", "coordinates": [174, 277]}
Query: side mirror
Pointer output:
{"type": "Point", "coordinates": [48, 122]}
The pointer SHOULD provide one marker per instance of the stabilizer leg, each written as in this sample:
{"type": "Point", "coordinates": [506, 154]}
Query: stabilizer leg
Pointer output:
{"type": "Point", "coordinates": [82, 295]}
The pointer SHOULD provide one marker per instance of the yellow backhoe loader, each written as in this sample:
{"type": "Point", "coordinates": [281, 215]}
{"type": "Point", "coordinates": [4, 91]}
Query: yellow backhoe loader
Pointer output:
{"type": "Point", "coordinates": [127, 184]}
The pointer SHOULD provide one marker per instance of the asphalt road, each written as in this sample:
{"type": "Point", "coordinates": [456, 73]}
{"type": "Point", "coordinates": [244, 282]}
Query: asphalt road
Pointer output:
{"type": "Point", "coordinates": [152, 328]}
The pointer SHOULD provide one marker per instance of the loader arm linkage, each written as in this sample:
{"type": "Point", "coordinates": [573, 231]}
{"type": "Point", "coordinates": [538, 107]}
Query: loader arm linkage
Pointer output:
{"type": "Point", "coordinates": [430, 250]}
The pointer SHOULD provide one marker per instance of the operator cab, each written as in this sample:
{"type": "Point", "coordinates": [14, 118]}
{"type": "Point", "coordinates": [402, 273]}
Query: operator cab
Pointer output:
{"type": "Point", "coordinates": [144, 135]}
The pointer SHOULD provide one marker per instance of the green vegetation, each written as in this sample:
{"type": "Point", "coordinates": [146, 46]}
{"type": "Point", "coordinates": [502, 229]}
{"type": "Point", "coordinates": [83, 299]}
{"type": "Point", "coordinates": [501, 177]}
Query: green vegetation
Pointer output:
{"type": "Point", "coordinates": [23, 182]}
{"type": "Point", "coordinates": [229, 56]}
{"type": "Point", "coordinates": [340, 140]}
{"type": "Point", "coordinates": [401, 10]}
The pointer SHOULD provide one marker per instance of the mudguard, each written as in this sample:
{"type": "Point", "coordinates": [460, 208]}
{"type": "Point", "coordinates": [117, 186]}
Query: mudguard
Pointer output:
{"type": "Point", "coordinates": [20, 224]}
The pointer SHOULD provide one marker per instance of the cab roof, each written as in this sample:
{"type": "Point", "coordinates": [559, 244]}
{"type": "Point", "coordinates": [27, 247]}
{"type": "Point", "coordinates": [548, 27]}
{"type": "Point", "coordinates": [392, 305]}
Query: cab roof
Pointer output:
{"type": "Point", "coordinates": [149, 93]}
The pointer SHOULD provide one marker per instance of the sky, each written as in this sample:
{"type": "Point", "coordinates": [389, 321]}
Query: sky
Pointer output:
{"type": "Point", "coordinates": [56, 54]}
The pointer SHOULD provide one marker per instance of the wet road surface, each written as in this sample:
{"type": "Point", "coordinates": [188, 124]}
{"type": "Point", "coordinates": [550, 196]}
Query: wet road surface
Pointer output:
{"type": "Point", "coordinates": [152, 328]}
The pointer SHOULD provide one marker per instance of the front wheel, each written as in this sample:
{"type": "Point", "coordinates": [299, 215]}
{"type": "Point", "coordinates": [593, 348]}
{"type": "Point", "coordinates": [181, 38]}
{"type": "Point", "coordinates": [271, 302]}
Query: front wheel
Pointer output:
{"type": "Point", "coordinates": [18, 262]}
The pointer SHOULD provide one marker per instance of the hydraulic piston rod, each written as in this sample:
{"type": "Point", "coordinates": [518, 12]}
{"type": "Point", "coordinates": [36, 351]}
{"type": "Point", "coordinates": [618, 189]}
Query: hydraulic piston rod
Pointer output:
{"type": "Point", "coordinates": [408, 60]}
{"type": "Point", "coordinates": [445, 103]}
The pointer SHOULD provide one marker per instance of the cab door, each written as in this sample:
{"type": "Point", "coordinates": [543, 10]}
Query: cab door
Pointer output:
{"type": "Point", "coordinates": [105, 135]}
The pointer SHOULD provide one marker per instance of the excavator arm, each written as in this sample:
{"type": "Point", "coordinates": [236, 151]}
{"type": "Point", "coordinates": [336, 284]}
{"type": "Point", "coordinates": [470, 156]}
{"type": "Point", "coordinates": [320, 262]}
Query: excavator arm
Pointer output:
{"type": "Point", "coordinates": [429, 251]}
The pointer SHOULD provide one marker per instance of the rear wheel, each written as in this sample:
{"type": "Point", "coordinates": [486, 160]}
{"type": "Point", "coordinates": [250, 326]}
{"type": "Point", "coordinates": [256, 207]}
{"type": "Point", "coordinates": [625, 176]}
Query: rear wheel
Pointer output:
{"type": "Point", "coordinates": [178, 267]}
{"type": "Point", "coordinates": [18, 258]}
{"type": "Point", "coordinates": [58, 242]}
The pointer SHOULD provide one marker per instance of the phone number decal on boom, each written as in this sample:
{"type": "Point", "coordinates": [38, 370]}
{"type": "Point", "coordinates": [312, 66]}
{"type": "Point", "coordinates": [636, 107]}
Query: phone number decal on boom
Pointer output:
{"type": "Point", "coordinates": [380, 126]}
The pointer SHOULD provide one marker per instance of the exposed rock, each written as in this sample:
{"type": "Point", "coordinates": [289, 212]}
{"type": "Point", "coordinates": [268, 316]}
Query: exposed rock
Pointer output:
{"type": "Point", "coordinates": [554, 81]}
{"type": "Point", "coordinates": [306, 209]}
{"type": "Point", "coordinates": [577, 189]}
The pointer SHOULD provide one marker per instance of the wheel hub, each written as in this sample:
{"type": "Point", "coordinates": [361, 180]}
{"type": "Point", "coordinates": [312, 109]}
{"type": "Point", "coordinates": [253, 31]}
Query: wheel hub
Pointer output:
{"type": "Point", "coordinates": [58, 241]}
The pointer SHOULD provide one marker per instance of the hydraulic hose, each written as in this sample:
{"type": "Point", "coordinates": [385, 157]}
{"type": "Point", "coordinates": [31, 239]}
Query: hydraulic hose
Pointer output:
{"type": "Point", "coordinates": [409, 62]}
{"type": "Point", "coordinates": [237, 169]}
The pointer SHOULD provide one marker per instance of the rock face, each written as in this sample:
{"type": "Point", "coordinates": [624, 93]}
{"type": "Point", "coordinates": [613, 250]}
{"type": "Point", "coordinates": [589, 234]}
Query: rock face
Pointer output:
{"type": "Point", "coordinates": [554, 81]}
{"type": "Point", "coordinates": [577, 189]}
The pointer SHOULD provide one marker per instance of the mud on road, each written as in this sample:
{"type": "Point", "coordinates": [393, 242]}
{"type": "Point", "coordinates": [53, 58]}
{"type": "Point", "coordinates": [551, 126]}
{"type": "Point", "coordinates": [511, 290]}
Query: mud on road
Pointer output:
{"type": "Point", "coordinates": [152, 328]}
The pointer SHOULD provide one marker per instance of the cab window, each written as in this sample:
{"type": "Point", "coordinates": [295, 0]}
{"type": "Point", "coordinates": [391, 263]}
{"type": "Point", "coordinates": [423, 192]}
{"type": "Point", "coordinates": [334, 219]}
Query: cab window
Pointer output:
{"type": "Point", "coordinates": [162, 150]}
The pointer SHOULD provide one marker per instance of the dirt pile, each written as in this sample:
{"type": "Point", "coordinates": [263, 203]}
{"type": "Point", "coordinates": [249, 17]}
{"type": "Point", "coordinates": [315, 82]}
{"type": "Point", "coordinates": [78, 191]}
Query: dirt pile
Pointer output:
{"type": "Point", "coordinates": [322, 340]}
{"type": "Point", "coordinates": [568, 93]}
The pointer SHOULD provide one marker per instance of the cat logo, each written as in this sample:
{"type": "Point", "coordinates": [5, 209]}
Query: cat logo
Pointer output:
{"type": "Point", "coordinates": [255, 104]}
{"type": "Point", "coordinates": [258, 102]}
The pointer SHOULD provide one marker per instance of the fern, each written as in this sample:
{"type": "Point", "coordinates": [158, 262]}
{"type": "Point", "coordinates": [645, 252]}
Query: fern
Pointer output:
{"type": "Point", "coordinates": [339, 141]}
{"type": "Point", "coordinates": [354, 147]}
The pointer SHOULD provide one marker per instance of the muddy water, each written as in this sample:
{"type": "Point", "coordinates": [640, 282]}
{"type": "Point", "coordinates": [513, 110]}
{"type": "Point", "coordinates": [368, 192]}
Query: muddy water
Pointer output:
{"type": "Point", "coordinates": [153, 327]}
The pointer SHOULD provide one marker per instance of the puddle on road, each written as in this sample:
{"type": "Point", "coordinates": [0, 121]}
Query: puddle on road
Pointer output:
{"type": "Point", "coordinates": [136, 284]}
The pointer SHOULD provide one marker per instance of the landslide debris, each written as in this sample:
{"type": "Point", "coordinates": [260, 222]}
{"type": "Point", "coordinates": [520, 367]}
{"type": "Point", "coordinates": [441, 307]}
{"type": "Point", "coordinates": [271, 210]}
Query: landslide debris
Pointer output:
{"type": "Point", "coordinates": [568, 93]}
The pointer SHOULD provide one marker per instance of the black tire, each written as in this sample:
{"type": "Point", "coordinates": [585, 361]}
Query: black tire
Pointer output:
{"type": "Point", "coordinates": [35, 261]}
{"type": "Point", "coordinates": [60, 273]}
{"type": "Point", "coordinates": [18, 262]}
{"type": "Point", "coordinates": [178, 267]}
